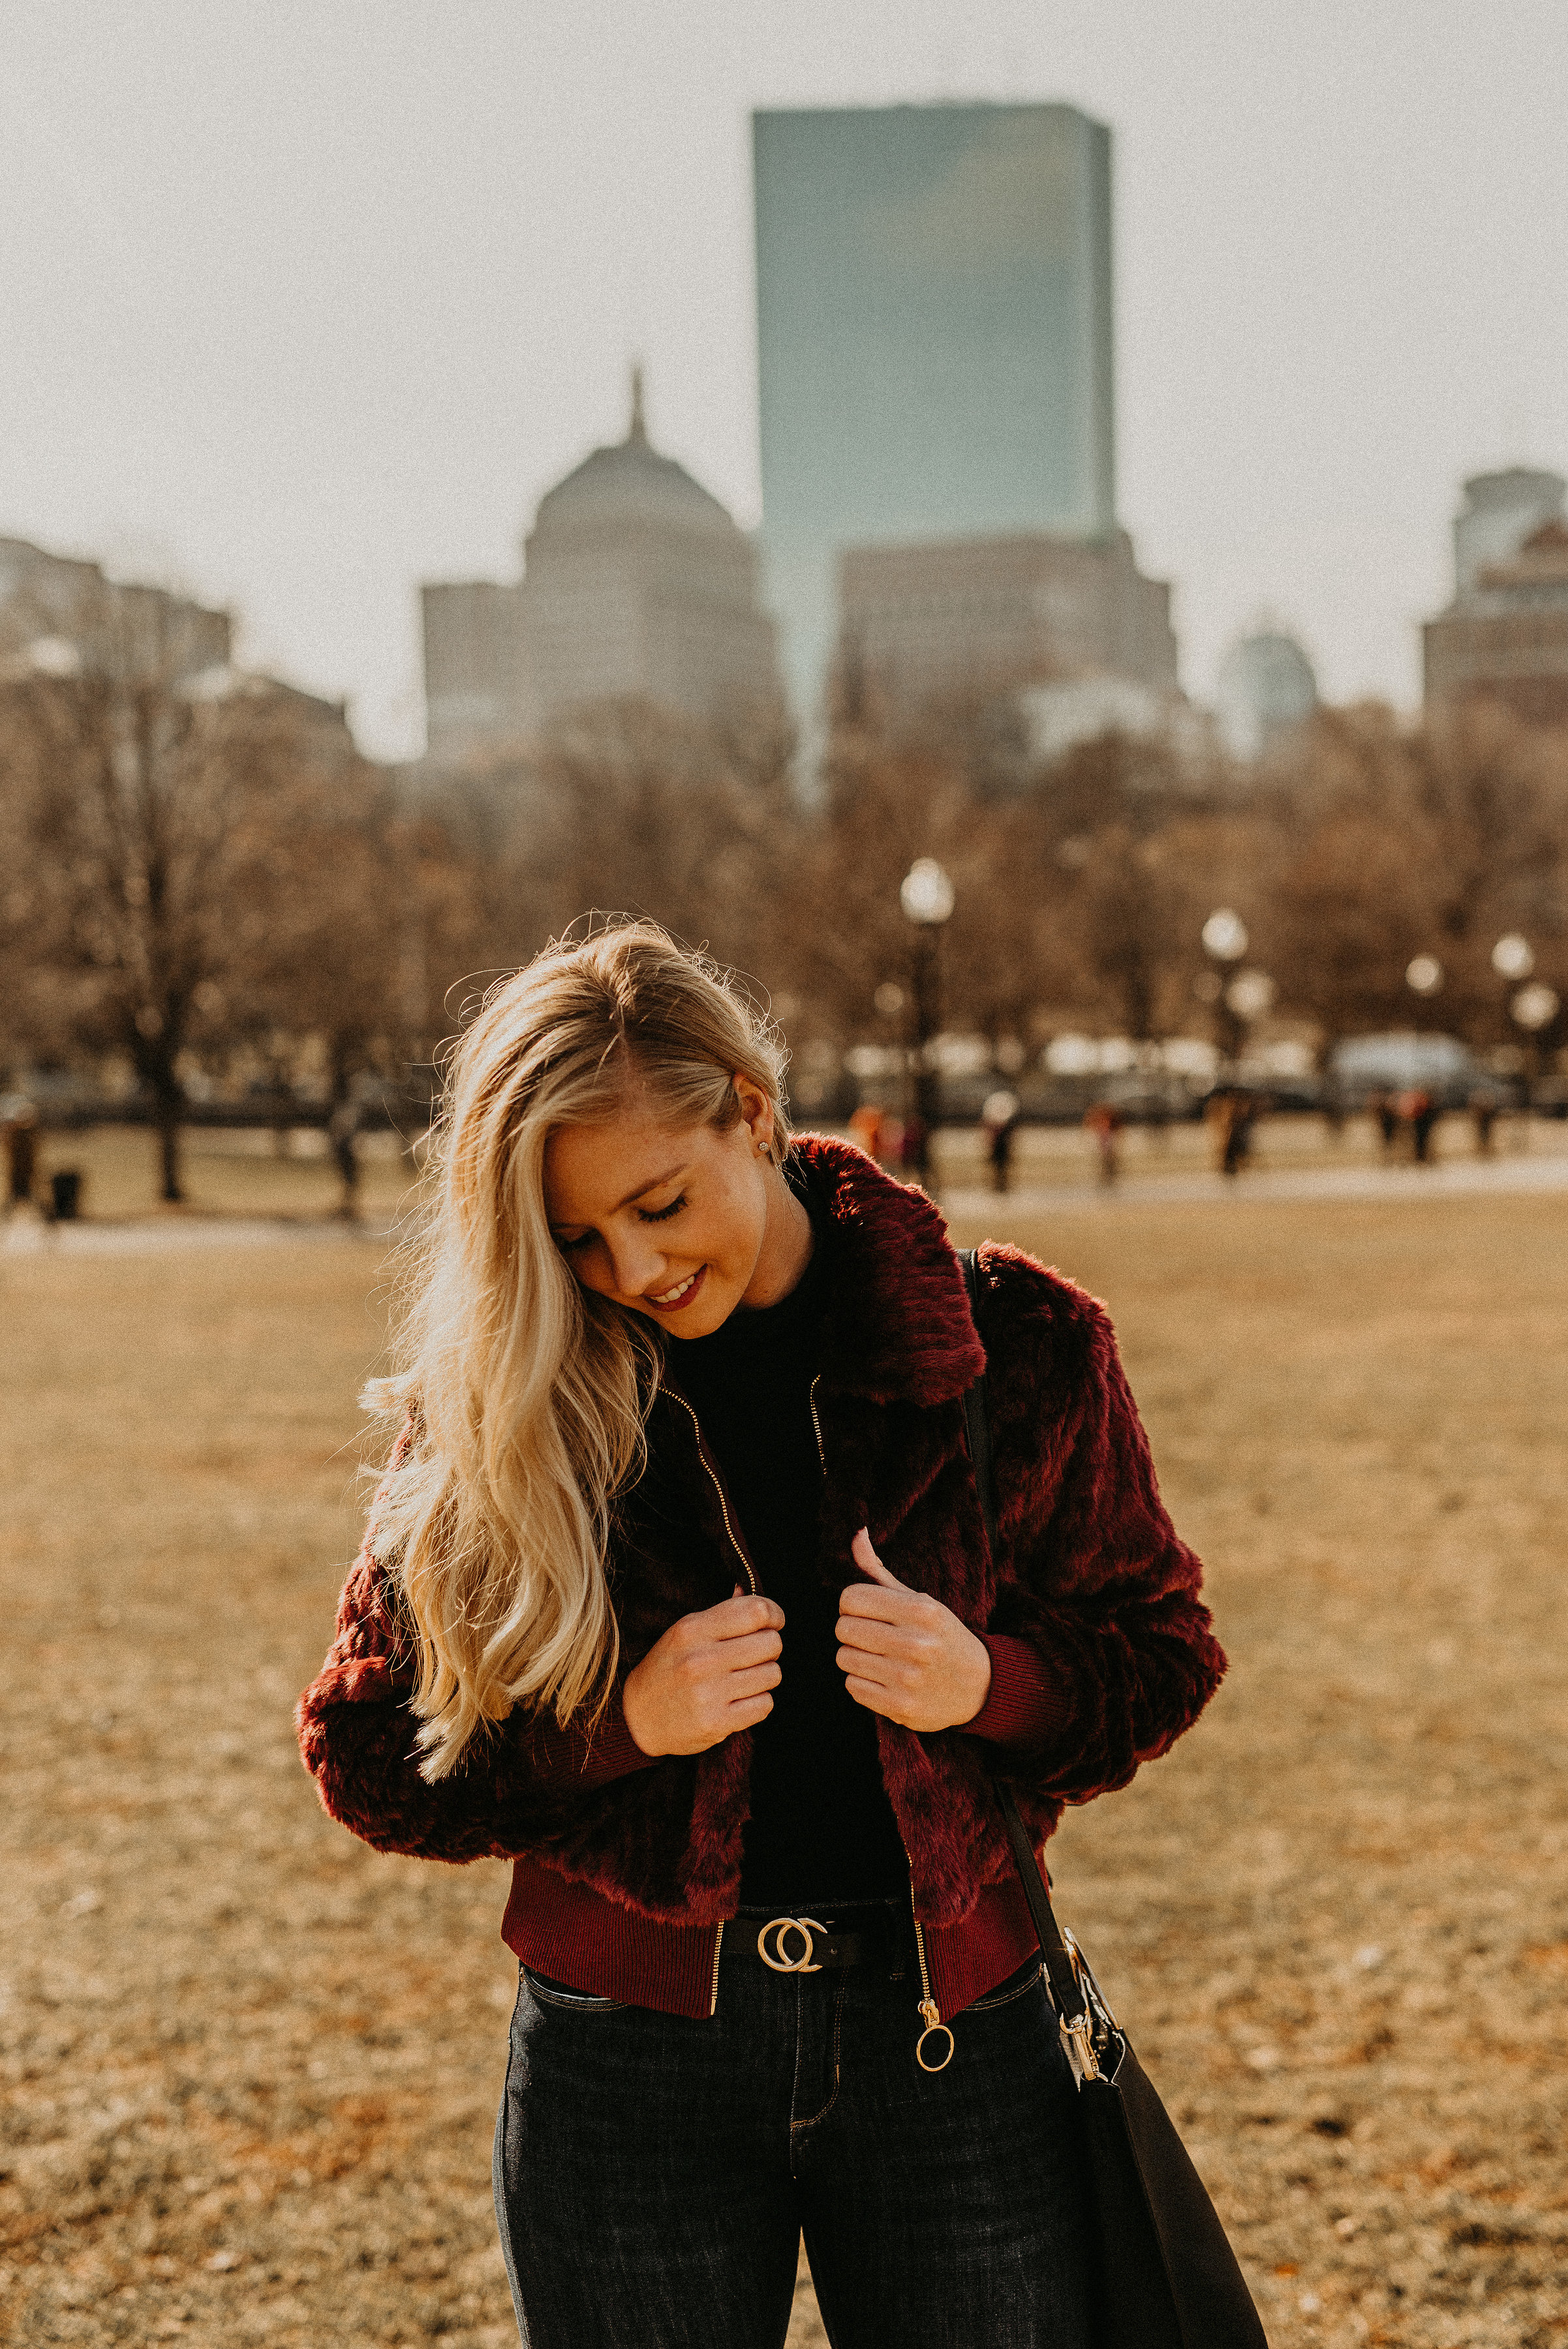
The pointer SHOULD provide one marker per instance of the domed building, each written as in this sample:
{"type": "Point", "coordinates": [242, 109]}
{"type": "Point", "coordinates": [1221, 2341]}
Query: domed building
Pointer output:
{"type": "Point", "coordinates": [635, 581]}
{"type": "Point", "coordinates": [1265, 687]}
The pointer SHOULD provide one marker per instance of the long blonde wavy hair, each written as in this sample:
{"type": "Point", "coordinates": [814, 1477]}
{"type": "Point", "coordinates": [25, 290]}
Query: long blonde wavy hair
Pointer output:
{"type": "Point", "coordinates": [525, 1397]}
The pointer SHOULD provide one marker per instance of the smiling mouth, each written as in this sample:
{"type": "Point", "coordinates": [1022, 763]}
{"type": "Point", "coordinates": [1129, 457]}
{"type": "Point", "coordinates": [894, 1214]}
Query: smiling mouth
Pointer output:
{"type": "Point", "coordinates": [674, 1299]}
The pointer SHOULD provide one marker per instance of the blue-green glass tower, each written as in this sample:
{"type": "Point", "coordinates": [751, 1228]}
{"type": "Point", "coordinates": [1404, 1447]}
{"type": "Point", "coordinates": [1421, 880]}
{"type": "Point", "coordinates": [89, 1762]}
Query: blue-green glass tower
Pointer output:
{"type": "Point", "coordinates": [934, 339]}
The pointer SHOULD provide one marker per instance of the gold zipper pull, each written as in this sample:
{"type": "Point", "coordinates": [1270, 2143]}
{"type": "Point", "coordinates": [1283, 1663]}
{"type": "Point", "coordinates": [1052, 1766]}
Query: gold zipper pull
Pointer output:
{"type": "Point", "coordinates": [935, 2027]}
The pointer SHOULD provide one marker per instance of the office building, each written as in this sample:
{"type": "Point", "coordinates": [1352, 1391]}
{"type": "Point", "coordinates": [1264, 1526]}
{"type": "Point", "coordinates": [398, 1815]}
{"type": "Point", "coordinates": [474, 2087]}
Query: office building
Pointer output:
{"type": "Point", "coordinates": [994, 612]}
{"type": "Point", "coordinates": [60, 615]}
{"type": "Point", "coordinates": [1504, 637]}
{"type": "Point", "coordinates": [934, 341]}
{"type": "Point", "coordinates": [635, 580]}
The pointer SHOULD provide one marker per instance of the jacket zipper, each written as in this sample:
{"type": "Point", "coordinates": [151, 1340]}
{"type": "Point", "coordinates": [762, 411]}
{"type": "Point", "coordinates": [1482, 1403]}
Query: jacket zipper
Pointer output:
{"type": "Point", "coordinates": [930, 2013]}
{"type": "Point", "coordinates": [736, 1543]}
{"type": "Point", "coordinates": [753, 1586]}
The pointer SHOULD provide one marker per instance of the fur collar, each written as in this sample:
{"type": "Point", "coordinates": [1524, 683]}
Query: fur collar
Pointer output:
{"type": "Point", "coordinates": [898, 1326]}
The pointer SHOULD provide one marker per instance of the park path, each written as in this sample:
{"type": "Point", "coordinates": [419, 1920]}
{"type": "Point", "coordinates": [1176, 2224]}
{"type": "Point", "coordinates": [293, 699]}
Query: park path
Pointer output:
{"type": "Point", "coordinates": [1542, 1169]}
{"type": "Point", "coordinates": [1449, 1178]}
{"type": "Point", "coordinates": [28, 1234]}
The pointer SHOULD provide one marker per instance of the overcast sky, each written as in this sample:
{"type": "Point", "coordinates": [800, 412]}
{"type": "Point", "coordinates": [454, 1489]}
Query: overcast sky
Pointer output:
{"type": "Point", "coordinates": [301, 303]}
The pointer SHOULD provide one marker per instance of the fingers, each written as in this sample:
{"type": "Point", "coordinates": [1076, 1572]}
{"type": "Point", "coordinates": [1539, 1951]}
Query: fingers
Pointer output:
{"type": "Point", "coordinates": [747, 1715]}
{"type": "Point", "coordinates": [761, 1677]}
{"type": "Point", "coordinates": [867, 1560]}
{"type": "Point", "coordinates": [887, 1671]}
{"type": "Point", "coordinates": [733, 1619]}
{"type": "Point", "coordinates": [739, 1655]}
{"type": "Point", "coordinates": [874, 1698]}
{"type": "Point", "coordinates": [864, 1603]}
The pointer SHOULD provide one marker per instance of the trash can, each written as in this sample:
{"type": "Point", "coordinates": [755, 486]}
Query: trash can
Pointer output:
{"type": "Point", "coordinates": [65, 1194]}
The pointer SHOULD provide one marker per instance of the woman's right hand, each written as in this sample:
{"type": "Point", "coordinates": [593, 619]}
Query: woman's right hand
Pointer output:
{"type": "Point", "coordinates": [707, 1676]}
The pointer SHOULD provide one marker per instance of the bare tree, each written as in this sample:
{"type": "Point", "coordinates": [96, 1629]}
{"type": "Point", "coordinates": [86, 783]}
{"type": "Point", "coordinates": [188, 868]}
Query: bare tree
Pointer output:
{"type": "Point", "coordinates": [145, 798]}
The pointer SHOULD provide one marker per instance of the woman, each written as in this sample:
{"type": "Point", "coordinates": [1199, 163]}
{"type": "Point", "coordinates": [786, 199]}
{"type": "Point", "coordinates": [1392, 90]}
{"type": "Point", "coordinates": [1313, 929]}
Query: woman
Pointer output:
{"type": "Point", "coordinates": [678, 1594]}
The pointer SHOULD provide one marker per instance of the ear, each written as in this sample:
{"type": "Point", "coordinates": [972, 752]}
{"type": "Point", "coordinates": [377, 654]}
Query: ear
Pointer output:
{"type": "Point", "coordinates": [756, 1113]}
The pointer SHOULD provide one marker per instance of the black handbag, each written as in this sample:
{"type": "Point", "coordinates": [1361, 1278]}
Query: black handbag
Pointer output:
{"type": "Point", "coordinates": [1166, 2276]}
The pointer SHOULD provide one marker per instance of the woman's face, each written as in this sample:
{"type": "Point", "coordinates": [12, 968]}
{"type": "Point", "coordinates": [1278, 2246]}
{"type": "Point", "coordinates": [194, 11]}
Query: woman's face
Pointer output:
{"type": "Point", "coordinates": [681, 1224]}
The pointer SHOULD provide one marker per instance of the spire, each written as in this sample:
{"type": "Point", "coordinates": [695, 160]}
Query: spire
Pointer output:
{"type": "Point", "coordinates": [637, 434]}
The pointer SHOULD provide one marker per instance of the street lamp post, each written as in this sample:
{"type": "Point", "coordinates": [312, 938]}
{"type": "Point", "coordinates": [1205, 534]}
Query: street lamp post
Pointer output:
{"type": "Point", "coordinates": [1535, 1006]}
{"type": "Point", "coordinates": [1225, 943]}
{"type": "Point", "coordinates": [1513, 960]}
{"type": "Point", "coordinates": [1424, 976]}
{"type": "Point", "coordinates": [926, 897]}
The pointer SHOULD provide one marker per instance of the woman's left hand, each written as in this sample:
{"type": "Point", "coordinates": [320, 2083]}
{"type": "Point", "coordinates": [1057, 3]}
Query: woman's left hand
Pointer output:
{"type": "Point", "coordinates": [905, 1655]}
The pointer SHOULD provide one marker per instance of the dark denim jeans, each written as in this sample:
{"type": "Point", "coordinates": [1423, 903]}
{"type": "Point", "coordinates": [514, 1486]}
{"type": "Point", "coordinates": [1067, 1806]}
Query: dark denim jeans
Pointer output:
{"type": "Point", "coordinates": [653, 2174]}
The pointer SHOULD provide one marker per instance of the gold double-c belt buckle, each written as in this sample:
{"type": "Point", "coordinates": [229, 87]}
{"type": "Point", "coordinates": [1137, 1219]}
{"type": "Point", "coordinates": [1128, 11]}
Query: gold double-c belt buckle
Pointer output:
{"type": "Point", "coordinates": [780, 1962]}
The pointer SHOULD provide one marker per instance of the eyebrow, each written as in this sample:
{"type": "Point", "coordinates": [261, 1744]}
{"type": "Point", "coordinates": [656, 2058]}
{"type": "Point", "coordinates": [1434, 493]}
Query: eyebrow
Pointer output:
{"type": "Point", "coordinates": [641, 1191]}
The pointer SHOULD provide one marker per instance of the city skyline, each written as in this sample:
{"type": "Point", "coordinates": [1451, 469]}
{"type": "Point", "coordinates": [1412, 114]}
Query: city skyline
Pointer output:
{"type": "Point", "coordinates": [304, 306]}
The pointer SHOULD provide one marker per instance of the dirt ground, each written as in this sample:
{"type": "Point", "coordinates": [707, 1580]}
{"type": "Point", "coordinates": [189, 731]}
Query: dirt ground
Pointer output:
{"type": "Point", "coordinates": [250, 2068]}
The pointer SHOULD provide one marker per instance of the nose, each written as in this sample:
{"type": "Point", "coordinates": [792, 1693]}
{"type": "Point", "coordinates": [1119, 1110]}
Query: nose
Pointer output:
{"type": "Point", "coordinates": [638, 1266]}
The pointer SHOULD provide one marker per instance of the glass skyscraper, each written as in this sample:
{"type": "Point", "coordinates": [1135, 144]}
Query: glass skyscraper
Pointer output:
{"type": "Point", "coordinates": [934, 338]}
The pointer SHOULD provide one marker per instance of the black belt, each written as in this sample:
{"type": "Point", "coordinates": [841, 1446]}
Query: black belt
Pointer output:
{"type": "Point", "coordinates": [801, 1944]}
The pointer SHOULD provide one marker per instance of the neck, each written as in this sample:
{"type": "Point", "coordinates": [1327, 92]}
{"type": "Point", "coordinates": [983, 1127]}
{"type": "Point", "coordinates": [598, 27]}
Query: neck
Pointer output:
{"type": "Point", "coordinates": [787, 1243]}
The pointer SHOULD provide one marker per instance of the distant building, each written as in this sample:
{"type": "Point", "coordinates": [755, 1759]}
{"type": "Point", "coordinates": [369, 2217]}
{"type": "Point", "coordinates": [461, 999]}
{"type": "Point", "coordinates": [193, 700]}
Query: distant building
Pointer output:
{"type": "Point", "coordinates": [1005, 611]}
{"type": "Point", "coordinates": [1504, 637]}
{"type": "Point", "coordinates": [635, 581]}
{"type": "Point", "coordinates": [58, 613]}
{"type": "Point", "coordinates": [1498, 513]}
{"type": "Point", "coordinates": [934, 329]}
{"type": "Point", "coordinates": [1266, 687]}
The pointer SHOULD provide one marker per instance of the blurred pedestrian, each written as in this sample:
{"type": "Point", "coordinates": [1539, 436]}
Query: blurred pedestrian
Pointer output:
{"type": "Point", "coordinates": [19, 1128]}
{"type": "Point", "coordinates": [343, 1135]}
{"type": "Point", "coordinates": [1424, 1125]}
{"type": "Point", "coordinates": [1484, 1108]}
{"type": "Point", "coordinates": [1233, 1115]}
{"type": "Point", "coordinates": [1385, 1117]}
{"type": "Point", "coordinates": [1418, 1112]}
{"type": "Point", "coordinates": [999, 1123]}
{"type": "Point", "coordinates": [1104, 1121]}
{"type": "Point", "coordinates": [866, 1128]}
{"type": "Point", "coordinates": [616, 1618]}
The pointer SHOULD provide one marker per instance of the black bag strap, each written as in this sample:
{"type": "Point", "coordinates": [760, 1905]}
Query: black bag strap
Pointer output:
{"type": "Point", "coordinates": [1067, 1994]}
{"type": "Point", "coordinates": [976, 1420]}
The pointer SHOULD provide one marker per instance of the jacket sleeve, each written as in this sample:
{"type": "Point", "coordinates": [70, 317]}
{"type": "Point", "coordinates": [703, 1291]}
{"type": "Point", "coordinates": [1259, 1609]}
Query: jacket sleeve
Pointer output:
{"type": "Point", "coordinates": [1093, 1582]}
{"type": "Point", "coordinates": [357, 1736]}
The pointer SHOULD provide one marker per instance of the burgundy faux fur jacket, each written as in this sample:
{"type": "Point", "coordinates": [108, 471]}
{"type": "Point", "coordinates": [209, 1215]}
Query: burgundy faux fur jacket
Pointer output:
{"type": "Point", "coordinates": [626, 1868]}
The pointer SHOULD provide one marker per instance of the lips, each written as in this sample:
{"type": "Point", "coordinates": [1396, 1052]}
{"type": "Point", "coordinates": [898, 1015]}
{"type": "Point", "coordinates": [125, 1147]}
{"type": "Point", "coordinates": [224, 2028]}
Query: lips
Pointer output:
{"type": "Point", "coordinates": [675, 1300]}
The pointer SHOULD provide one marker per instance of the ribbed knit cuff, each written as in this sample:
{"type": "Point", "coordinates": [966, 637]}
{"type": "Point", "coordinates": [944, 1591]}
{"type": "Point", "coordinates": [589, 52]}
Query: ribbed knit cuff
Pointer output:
{"type": "Point", "coordinates": [612, 1751]}
{"type": "Point", "coordinates": [1025, 1704]}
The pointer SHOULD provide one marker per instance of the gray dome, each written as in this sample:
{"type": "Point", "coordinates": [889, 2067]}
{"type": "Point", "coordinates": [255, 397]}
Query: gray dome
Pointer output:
{"type": "Point", "coordinates": [631, 483]}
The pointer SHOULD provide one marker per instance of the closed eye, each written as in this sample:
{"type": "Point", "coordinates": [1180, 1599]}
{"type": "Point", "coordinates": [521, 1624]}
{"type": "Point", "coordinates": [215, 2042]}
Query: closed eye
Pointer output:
{"type": "Point", "coordinates": [661, 1215]}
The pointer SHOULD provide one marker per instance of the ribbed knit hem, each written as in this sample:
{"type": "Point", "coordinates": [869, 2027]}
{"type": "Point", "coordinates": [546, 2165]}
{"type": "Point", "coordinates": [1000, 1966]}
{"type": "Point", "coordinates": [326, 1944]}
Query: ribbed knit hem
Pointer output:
{"type": "Point", "coordinates": [576, 1936]}
{"type": "Point", "coordinates": [1026, 1705]}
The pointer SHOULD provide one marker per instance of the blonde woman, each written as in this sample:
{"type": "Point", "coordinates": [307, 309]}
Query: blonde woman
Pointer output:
{"type": "Point", "coordinates": [677, 1593]}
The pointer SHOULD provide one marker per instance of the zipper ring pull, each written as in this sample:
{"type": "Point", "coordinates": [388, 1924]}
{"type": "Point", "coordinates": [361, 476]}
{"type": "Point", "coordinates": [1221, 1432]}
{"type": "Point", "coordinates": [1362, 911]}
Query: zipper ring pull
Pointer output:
{"type": "Point", "coordinates": [935, 2029]}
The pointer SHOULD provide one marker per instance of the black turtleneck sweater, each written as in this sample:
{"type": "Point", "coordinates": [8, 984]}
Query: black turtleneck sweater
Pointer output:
{"type": "Point", "coordinates": [821, 1830]}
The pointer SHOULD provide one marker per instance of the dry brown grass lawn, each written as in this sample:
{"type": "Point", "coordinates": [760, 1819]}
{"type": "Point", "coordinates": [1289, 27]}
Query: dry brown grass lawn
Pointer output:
{"type": "Point", "coordinates": [251, 2067]}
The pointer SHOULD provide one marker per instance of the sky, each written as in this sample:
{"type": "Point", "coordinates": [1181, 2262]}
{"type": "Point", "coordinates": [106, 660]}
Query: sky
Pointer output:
{"type": "Point", "coordinates": [303, 304]}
